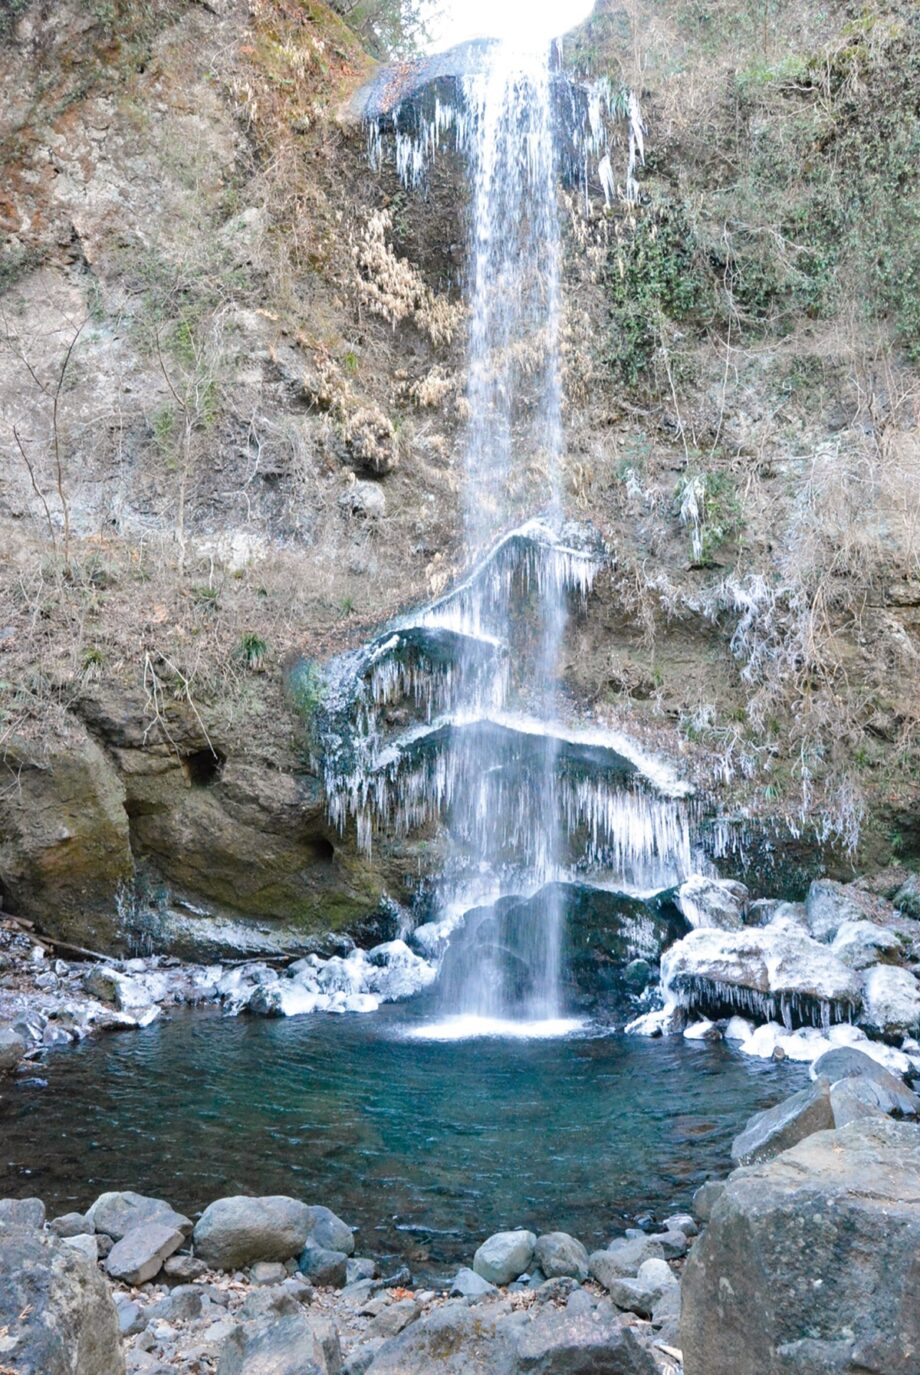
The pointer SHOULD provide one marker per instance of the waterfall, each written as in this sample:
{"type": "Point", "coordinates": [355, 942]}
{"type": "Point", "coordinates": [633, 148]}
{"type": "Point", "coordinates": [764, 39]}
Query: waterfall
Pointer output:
{"type": "Point", "coordinates": [515, 407]}
{"type": "Point", "coordinates": [529, 807]}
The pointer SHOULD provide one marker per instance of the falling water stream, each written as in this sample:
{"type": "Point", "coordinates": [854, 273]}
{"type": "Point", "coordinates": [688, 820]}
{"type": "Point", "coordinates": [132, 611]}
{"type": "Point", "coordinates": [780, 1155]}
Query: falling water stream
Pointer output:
{"type": "Point", "coordinates": [527, 803]}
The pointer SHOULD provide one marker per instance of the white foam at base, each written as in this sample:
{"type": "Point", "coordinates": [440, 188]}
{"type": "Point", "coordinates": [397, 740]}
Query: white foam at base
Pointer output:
{"type": "Point", "coordinates": [469, 1027]}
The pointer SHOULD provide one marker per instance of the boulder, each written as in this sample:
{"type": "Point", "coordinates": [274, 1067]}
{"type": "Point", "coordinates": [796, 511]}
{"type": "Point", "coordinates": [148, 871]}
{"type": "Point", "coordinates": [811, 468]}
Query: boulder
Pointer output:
{"type": "Point", "coordinates": [768, 1133]}
{"type": "Point", "coordinates": [632, 1295]}
{"type": "Point", "coordinates": [71, 1225]}
{"type": "Point", "coordinates": [706, 1198]}
{"type": "Point", "coordinates": [324, 1267]}
{"type": "Point", "coordinates": [850, 1063]}
{"type": "Point", "coordinates": [330, 1231]}
{"type": "Point", "coordinates": [392, 1319]}
{"type": "Point", "coordinates": [184, 1269]}
{"type": "Point", "coordinates": [116, 1214]}
{"type": "Point", "coordinates": [291, 1345]}
{"type": "Point", "coordinates": [712, 902]}
{"type": "Point", "coordinates": [558, 1254]}
{"type": "Point", "coordinates": [681, 1222]}
{"type": "Point", "coordinates": [469, 1285]}
{"type": "Point", "coordinates": [234, 1232]}
{"type": "Point", "coordinates": [622, 1258]}
{"type": "Point", "coordinates": [573, 1343]}
{"type": "Point", "coordinates": [809, 1261]}
{"type": "Point", "coordinates": [853, 1099]}
{"type": "Point", "coordinates": [89, 1245]}
{"type": "Point", "coordinates": [454, 1339]}
{"type": "Point", "coordinates": [829, 905]}
{"type": "Point", "coordinates": [140, 1255]}
{"type": "Point", "coordinates": [505, 1256]}
{"type": "Point", "coordinates": [775, 972]}
{"type": "Point", "coordinates": [56, 1311]}
{"type": "Point", "coordinates": [891, 999]}
{"type": "Point", "coordinates": [24, 1213]}
{"type": "Point", "coordinates": [861, 944]}
{"type": "Point", "coordinates": [360, 1268]}
{"type": "Point", "coordinates": [12, 1048]}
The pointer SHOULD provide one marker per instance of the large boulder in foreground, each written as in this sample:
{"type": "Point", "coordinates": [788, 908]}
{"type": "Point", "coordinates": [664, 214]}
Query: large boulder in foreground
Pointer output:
{"type": "Point", "coordinates": [234, 1232]}
{"type": "Point", "coordinates": [809, 1265]}
{"type": "Point", "coordinates": [56, 1312]}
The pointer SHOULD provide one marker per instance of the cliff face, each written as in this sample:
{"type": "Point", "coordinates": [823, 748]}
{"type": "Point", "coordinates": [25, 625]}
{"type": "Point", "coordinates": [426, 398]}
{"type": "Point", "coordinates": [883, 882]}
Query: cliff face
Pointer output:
{"type": "Point", "coordinates": [232, 395]}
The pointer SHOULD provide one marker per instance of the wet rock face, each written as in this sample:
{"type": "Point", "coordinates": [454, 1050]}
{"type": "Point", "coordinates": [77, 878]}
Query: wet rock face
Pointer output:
{"type": "Point", "coordinates": [65, 853]}
{"type": "Point", "coordinates": [809, 1261]}
{"type": "Point", "coordinates": [56, 1309]}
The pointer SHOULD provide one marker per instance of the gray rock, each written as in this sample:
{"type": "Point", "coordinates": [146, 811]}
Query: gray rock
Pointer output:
{"type": "Point", "coordinates": [26, 1213]}
{"type": "Point", "coordinates": [470, 1285]}
{"type": "Point", "coordinates": [326, 1268]}
{"type": "Point", "coordinates": [366, 499]}
{"type": "Point", "coordinates": [184, 1268]}
{"type": "Point", "coordinates": [829, 904]}
{"type": "Point", "coordinates": [12, 1048]}
{"type": "Point", "coordinates": [580, 1301]}
{"type": "Point", "coordinates": [827, 1235]}
{"type": "Point", "coordinates": [673, 1244]}
{"type": "Point", "coordinates": [623, 1257]}
{"type": "Point", "coordinates": [557, 1289]}
{"type": "Point", "coordinates": [131, 1317]}
{"type": "Point", "coordinates": [681, 1222]}
{"type": "Point", "coordinates": [706, 1197]}
{"type": "Point", "coordinates": [85, 1243]}
{"type": "Point", "coordinates": [359, 1361]}
{"type": "Point", "coordinates": [330, 1232]}
{"type": "Point", "coordinates": [140, 1255]}
{"type": "Point", "coordinates": [854, 1099]}
{"type": "Point", "coordinates": [272, 1302]}
{"type": "Point", "coordinates": [850, 1063]}
{"type": "Point", "coordinates": [294, 1345]}
{"type": "Point", "coordinates": [768, 1133]}
{"type": "Point", "coordinates": [392, 1319]}
{"type": "Point", "coordinates": [55, 1309]}
{"type": "Point", "coordinates": [891, 1001]}
{"type": "Point", "coordinates": [712, 902]}
{"type": "Point", "coordinates": [862, 943]}
{"type": "Point", "coordinates": [504, 1256]}
{"type": "Point", "coordinates": [71, 1225]}
{"type": "Point", "coordinates": [451, 1340]}
{"type": "Point", "coordinates": [567, 1343]}
{"type": "Point", "coordinates": [116, 1214]}
{"type": "Point", "coordinates": [267, 1272]}
{"type": "Point", "coordinates": [235, 1232]}
{"type": "Point", "coordinates": [181, 1305]}
{"type": "Point", "coordinates": [557, 1253]}
{"type": "Point", "coordinates": [360, 1268]}
{"type": "Point", "coordinates": [633, 1296]}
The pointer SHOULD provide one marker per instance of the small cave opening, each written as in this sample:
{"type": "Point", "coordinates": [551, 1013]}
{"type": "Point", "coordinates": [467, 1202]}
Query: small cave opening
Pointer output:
{"type": "Point", "coordinates": [320, 849]}
{"type": "Point", "coordinates": [204, 767]}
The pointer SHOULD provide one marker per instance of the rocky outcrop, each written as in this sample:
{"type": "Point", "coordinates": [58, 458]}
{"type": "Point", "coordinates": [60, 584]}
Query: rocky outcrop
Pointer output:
{"type": "Point", "coordinates": [56, 1312]}
{"type": "Point", "coordinates": [65, 851]}
{"type": "Point", "coordinates": [809, 1264]}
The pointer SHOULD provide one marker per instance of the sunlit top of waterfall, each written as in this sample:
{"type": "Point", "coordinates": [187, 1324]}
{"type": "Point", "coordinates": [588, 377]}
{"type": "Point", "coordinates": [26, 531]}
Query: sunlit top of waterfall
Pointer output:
{"type": "Point", "coordinates": [526, 23]}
